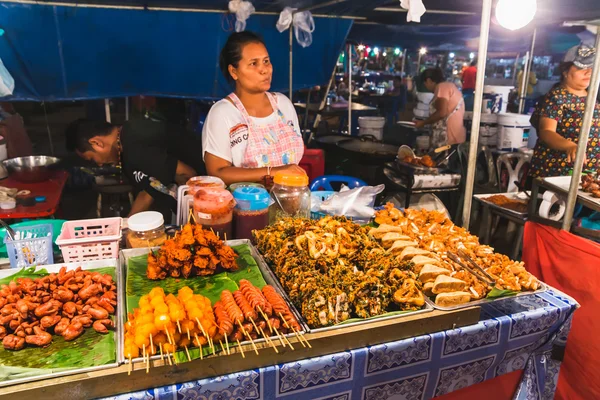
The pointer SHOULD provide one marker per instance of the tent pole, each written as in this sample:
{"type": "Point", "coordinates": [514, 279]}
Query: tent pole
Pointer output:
{"type": "Point", "coordinates": [484, 32]}
{"type": "Point", "coordinates": [418, 64]}
{"type": "Point", "coordinates": [107, 110]}
{"type": "Point", "coordinates": [291, 66]}
{"type": "Point", "coordinates": [523, 81]}
{"type": "Point", "coordinates": [515, 69]}
{"type": "Point", "coordinates": [127, 108]}
{"type": "Point", "coordinates": [584, 135]}
{"type": "Point", "coordinates": [349, 89]}
{"type": "Point", "coordinates": [318, 117]}
{"type": "Point", "coordinates": [403, 63]}
{"type": "Point", "coordinates": [527, 72]}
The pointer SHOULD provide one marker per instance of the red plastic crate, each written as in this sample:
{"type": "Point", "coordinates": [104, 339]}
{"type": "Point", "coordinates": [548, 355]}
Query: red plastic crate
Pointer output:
{"type": "Point", "coordinates": [313, 163]}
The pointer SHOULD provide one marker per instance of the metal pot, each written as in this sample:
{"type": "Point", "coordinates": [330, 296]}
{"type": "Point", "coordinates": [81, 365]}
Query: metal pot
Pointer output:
{"type": "Point", "coordinates": [369, 149]}
{"type": "Point", "coordinates": [329, 142]}
{"type": "Point", "coordinates": [31, 169]}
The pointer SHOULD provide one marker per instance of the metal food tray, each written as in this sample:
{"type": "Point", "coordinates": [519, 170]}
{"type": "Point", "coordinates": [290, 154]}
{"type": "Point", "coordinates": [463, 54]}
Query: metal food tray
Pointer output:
{"type": "Point", "coordinates": [426, 308]}
{"type": "Point", "coordinates": [112, 262]}
{"type": "Point", "coordinates": [419, 169]}
{"type": "Point", "coordinates": [511, 196]}
{"type": "Point", "coordinates": [543, 288]}
{"type": "Point", "coordinates": [562, 183]}
{"type": "Point", "coordinates": [126, 254]}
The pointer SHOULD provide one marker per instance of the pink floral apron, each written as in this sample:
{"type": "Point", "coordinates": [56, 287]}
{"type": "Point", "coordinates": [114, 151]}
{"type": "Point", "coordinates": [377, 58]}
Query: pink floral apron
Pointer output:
{"type": "Point", "coordinates": [271, 145]}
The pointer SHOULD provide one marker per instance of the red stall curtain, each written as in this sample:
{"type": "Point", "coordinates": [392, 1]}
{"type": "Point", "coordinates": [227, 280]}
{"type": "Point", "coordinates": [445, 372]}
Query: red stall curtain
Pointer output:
{"type": "Point", "coordinates": [572, 265]}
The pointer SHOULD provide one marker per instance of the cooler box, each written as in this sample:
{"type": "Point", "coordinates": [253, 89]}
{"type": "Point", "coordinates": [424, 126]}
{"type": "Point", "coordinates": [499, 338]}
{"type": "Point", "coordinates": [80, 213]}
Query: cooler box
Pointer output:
{"type": "Point", "coordinates": [313, 163]}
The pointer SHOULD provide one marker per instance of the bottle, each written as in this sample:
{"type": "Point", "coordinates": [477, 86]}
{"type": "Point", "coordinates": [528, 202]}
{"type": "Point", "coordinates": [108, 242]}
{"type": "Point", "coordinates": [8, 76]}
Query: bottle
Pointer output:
{"type": "Point", "coordinates": [251, 210]}
{"type": "Point", "coordinates": [291, 197]}
{"type": "Point", "coordinates": [213, 209]}
{"type": "Point", "coordinates": [146, 229]}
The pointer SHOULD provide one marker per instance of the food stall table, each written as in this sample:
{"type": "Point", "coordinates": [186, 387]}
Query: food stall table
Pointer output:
{"type": "Point", "coordinates": [51, 189]}
{"type": "Point", "coordinates": [339, 110]}
{"type": "Point", "coordinates": [523, 333]}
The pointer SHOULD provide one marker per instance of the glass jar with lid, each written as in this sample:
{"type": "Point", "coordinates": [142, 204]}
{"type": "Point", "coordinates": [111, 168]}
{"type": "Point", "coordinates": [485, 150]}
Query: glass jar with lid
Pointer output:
{"type": "Point", "coordinates": [291, 196]}
{"type": "Point", "coordinates": [251, 210]}
{"type": "Point", "coordinates": [203, 181]}
{"type": "Point", "coordinates": [146, 229]}
{"type": "Point", "coordinates": [213, 209]}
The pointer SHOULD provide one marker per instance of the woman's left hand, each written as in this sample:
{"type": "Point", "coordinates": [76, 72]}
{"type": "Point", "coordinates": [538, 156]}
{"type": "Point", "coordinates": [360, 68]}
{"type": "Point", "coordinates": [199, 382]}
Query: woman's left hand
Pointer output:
{"type": "Point", "coordinates": [419, 124]}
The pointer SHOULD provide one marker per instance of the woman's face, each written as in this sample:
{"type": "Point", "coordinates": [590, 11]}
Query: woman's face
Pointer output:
{"type": "Point", "coordinates": [430, 84]}
{"type": "Point", "coordinates": [254, 71]}
{"type": "Point", "coordinates": [577, 78]}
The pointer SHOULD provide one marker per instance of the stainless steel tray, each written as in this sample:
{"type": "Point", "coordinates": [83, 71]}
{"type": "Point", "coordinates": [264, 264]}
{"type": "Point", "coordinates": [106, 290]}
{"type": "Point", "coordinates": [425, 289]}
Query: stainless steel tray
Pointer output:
{"type": "Point", "coordinates": [426, 308]}
{"type": "Point", "coordinates": [512, 196]}
{"type": "Point", "coordinates": [562, 183]}
{"type": "Point", "coordinates": [117, 330]}
{"type": "Point", "coordinates": [543, 288]}
{"type": "Point", "coordinates": [125, 255]}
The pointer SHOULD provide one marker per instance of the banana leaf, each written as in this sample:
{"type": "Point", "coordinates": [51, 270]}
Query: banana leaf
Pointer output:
{"type": "Point", "coordinates": [209, 286]}
{"type": "Point", "coordinates": [496, 293]}
{"type": "Point", "coordinates": [91, 349]}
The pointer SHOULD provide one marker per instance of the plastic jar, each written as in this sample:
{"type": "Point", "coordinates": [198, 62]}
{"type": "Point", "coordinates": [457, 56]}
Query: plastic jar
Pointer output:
{"type": "Point", "coordinates": [234, 186]}
{"type": "Point", "coordinates": [251, 210]}
{"type": "Point", "coordinates": [213, 209]}
{"type": "Point", "coordinates": [291, 197]}
{"type": "Point", "coordinates": [146, 229]}
{"type": "Point", "coordinates": [203, 181]}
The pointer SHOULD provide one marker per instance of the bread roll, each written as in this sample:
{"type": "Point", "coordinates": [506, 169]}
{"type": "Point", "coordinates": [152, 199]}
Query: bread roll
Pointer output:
{"type": "Point", "coordinates": [446, 284]}
{"type": "Point", "coordinates": [427, 289]}
{"type": "Point", "coordinates": [400, 245]}
{"type": "Point", "coordinates": [452, 299]}
{"type": "Point", "coordinates": [378, 233]}
{"type": "Point", "coordinates": [420, 261]}
{"type": "Point", "coordinates": [389, 238]}
{"type": "Point", "coordinates": [410, 252]}
{"type": "Point", "coordinates": [430, 272]}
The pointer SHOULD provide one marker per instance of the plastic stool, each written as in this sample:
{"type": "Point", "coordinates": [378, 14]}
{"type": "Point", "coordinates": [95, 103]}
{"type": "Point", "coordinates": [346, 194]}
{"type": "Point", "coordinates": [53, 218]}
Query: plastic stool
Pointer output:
{"type": "Point", "coordinates": [313, 162]}
{"type": "Point", "coordinates": [324, 182]}
{"type": "Point", "coordinates": [514, 174]}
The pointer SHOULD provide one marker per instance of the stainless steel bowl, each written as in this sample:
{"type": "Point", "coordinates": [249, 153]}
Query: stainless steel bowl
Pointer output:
{"type": "Point", "coordinates": [30, 169]}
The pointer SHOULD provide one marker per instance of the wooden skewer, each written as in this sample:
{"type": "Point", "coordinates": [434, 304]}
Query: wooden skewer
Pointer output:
{"type": "Point", "coordinates": [266, 319]}
{"type": "Point", "coordinates": [227, 344]}
{"type": "Point", "coordinates": [241, 350]}
{"type": "Point", "coordinates": [173, 355]}
{"type": "Point", "coordinates": [178, 326]}
{"type": "Point", "coordinates": [130, 366]}
{"type": "Point", "coordinates": [188, 332]}
{"type": "Point", "coordinates": [162, 356]}
{"type": "Point", "coordinates": [169, 358]}
{"type": "Point", "coordinates": [147, 359]}
{"type": "Point", "coordinates": [199, 345]}
{"type": "Point", "coordinates": [222, 346]}
{"type": "Point", "coordinates": [283, 339]}
{"type": "Point", "coordinates": [289, 327]}
{"type": "Point", "coordinates": [188, 353]}
{"type": "Point", "coordinates": [269, 341]}
{"type": "Point", "coordinates": [168, 336]}
{"type": "Point", "coordinates": [212, 346]}
{"type": "Point", "coordinates": [302, 336]}
{"type": "Point", "coordinates": [249, 338]}
{"type": "Point", "coordinates": [151, 345]}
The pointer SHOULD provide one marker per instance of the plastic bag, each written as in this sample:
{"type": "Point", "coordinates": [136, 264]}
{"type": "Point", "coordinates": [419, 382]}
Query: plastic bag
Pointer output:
{"type": "Point", "coordinates": [415, 8]}
{"type": "Point", "coordinates": [354, 203]}
{"type": "Point", "coordinates": [242, 11]}
{"type": "Point", "coordinates": [7, 82]}
{"type": "Point", "coordinates": [304, 25]}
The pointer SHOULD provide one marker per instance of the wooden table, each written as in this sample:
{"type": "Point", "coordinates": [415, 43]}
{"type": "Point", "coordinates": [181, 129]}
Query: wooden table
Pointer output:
{"type": "Point", "coordinates": [52, 189]}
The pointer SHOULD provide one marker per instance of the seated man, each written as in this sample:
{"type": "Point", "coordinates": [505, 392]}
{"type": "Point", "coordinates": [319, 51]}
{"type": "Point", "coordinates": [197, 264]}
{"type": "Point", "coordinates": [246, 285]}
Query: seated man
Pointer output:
{"type": "Point", "coordinates": [151, 155]}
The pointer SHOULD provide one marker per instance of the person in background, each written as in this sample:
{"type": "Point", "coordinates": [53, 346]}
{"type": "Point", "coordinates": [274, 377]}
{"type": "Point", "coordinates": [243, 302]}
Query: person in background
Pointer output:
{"type": "Point", "coordinates": [558, 118]}
{"type": "Point", "coordinates": [532, 82]}
{"type": "Point", "coordinates": [446, 110]}
{"type": "Point", "coordinates": [396, 90]}
{"type": "Point", "coordinates": [153, 157]}
{"type": "Point", "coordinates": [252, 133]}
{"type": "Point", "coordinates": [469, 76]}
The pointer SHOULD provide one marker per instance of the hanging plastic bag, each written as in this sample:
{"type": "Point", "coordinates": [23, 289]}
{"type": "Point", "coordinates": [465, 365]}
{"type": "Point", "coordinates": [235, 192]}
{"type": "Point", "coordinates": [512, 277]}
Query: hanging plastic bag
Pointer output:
{"type": "Point", "coordinates": [7, 82]}
{"type": "Point", "coordinates": [242, 11]}
{"type": "Point", "coordinates": [304, 25]}
{"type": "Point", "coordinates": [415, 8]}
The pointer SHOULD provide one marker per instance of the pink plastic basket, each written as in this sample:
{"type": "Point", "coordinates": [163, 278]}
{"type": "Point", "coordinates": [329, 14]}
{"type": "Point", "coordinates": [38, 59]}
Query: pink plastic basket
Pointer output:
{"type": "Point", "coordinates": [90, 239]}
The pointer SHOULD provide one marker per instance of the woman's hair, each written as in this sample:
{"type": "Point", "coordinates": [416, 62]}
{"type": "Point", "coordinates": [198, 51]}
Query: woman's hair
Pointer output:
{"type": "Point", "coordinates": [435, 74]}
{"type": "Point", "coordinates": [231, 54]}
{"type": "Point", "coordinates": [563, 67]}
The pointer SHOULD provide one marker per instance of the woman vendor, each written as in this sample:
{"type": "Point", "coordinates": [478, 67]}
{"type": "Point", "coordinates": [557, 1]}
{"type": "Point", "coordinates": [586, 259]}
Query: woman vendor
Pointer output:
{"type": "Point", "coordinates": [558, 118]}
{"type": "Point", "coordinates": [252, 133]}
{"type": "Point", "coordinates": [447, 110]}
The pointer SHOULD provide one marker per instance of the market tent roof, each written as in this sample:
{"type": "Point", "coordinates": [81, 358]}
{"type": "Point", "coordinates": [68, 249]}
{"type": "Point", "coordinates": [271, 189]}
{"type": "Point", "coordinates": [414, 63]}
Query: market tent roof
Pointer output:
{"type": "Point", "coordinates": [66, 53]}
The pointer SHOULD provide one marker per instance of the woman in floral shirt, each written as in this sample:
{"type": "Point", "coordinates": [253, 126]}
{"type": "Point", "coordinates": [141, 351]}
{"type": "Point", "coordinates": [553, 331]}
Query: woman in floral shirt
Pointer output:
{"type": "Point", "coordinates": [559, 115]}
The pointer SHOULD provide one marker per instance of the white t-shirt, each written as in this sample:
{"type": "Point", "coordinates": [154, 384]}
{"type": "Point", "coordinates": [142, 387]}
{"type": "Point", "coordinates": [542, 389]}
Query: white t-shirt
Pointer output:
{"type": "Point", "coordinates": [225, 133]}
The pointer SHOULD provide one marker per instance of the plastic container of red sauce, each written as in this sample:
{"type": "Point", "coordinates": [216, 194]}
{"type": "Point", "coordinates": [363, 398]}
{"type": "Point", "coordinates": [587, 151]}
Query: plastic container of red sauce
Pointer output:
{"type": "Point", "coordinates": [213, 209]}
{"type": "Point", "coordinates": [251, 211]}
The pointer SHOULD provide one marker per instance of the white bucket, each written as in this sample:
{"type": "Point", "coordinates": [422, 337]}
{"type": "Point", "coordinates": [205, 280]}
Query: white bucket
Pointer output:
{"type": "Point", "coordinates": [495, 99]}
{"type": "Point", "coordinates": [371, 126]}
{"type": "Point", "coordinates": [513, 131]}
{"type": "Point", "coordinates": [422, 144]}
{"type": "Point", "coordinates": [488, 130]}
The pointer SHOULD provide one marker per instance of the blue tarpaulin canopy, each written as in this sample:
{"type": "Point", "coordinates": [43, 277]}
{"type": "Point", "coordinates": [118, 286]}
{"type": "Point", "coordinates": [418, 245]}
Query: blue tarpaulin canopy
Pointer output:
{"type": "Point", "coordinates": [61, 53]}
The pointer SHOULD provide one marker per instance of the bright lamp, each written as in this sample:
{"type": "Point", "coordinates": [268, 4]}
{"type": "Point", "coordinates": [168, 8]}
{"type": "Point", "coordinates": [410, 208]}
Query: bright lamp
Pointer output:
{"type": "Point", "coordinates": [515, 14]}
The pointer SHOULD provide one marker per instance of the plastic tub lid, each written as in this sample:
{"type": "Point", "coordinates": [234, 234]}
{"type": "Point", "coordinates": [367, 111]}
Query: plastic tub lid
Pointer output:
{"type": "Point", "coordinates": [489, 118]}
{"type": "Point", "coordinates": [510, 119]}
{"type": "Point", "coordinates": [287, 179]}
{"type": "Point", "coordinates": [250, 198]}
{"type": "Point", "coordinates": [205, 181]}
{"type": "Point", "coordinates": [145, 221]}
{"type": "Point", "coordinates": [234, 186]}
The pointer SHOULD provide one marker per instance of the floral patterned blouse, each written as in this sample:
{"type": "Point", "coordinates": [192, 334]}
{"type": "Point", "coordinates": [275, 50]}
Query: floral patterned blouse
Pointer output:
{"type": "Point", "coordinates": [567, 110]}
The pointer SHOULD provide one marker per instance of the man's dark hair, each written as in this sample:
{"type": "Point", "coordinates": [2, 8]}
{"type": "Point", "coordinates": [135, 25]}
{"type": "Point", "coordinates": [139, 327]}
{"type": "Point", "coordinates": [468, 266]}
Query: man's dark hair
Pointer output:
{"type": "Point", "coordinates": [435, 74]}
{"type": "Point", "coordinates": [79, 133]}
{"type": "Point", "coordinates": [231, 54]}
{"type": "Point", "coordinates": [474, 63]}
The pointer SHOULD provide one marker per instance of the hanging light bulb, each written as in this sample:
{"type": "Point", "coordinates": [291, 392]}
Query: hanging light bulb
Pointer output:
{"type": "Point", "coordinates": [515, 14]}
{"type": "Point", "coordinates": [376, 50]}
{"type": "Point", "coordinates": [397, 51]}
{"type": "Point", "coordinates": [368, 49]}
{"type": "Point", "coordinates": [471, 55]}
{"type": "Point", "coordinates": [384, 54]}
{"type": "Point", "coordinates": [361, 47]}
{"type": "Point", "coordinates": [451, 55]}
{"type": "Point", "coordinates": [423, 51]}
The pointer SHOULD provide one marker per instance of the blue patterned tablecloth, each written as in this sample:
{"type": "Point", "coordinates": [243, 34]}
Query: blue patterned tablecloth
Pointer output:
{"type": "Point", "coordinates": [528, 332]}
